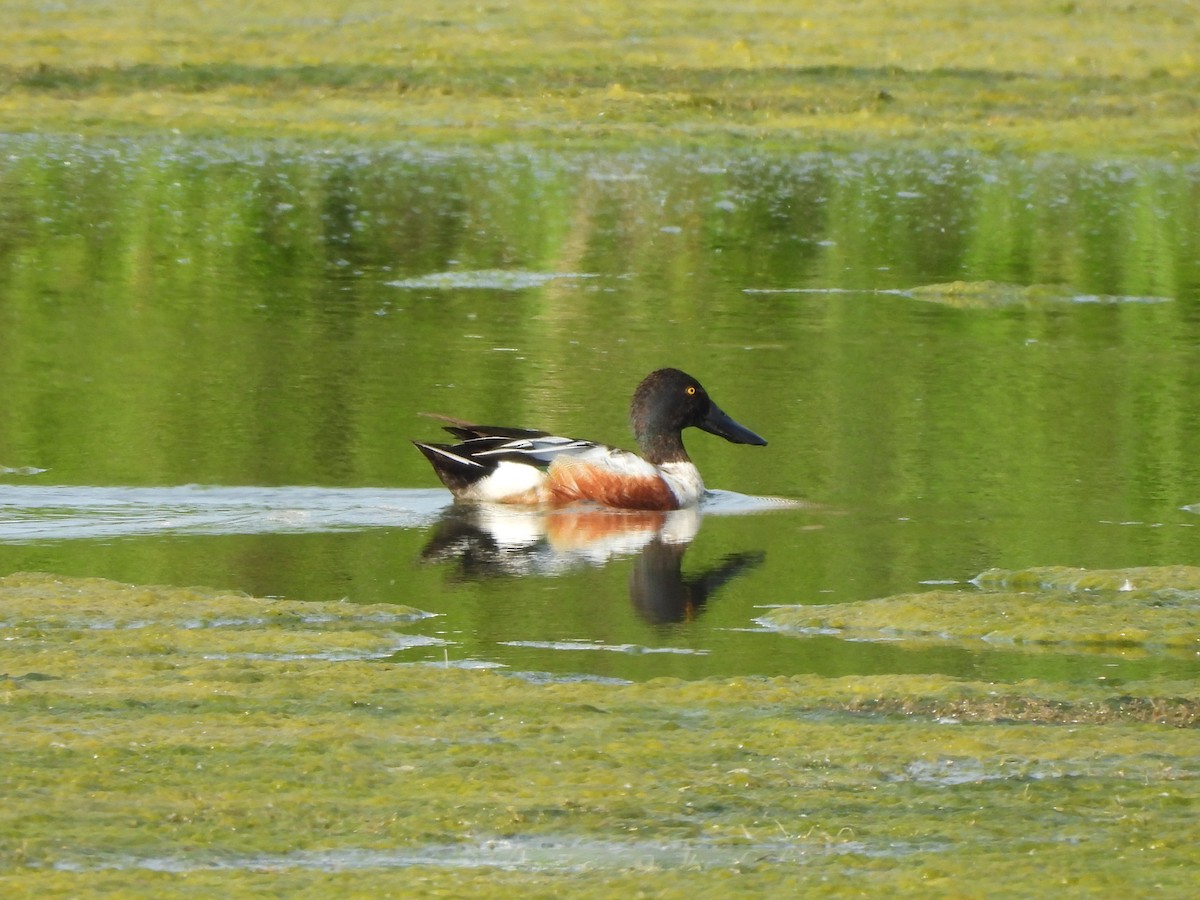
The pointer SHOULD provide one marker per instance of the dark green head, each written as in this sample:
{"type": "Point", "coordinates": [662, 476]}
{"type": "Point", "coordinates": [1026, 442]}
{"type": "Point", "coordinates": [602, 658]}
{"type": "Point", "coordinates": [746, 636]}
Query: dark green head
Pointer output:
{"type": "Point", "coordinates": [668, 401]}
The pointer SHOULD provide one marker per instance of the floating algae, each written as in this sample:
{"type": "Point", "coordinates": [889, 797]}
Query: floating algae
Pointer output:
{"type": "Point", "coordinates": [124, 618]}
{"type": "Point", "coordinates": [998, 294]}
{"type": "Point", "coordinates": [1144, 608]}
{"type": "Point", "coordinates": [143, 758]}
{"type": "Point", "coordinates": [486, 279]}
{"type": "Point", "coordinates": [1145, 578]}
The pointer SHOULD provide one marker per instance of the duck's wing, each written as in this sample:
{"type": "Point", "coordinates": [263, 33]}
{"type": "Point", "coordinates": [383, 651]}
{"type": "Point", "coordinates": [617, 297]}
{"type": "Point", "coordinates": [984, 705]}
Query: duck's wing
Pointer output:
{"type": "Point", "coordinates": [520, 465]}
{"type": "Point", "coordinates": [491, 466]}
{"type": "Point", "coordinates": [465, 431]}
{"type": "Point", "coordinates": [540, 450]}
{"type": "Point", "coordinates": [487, 451]}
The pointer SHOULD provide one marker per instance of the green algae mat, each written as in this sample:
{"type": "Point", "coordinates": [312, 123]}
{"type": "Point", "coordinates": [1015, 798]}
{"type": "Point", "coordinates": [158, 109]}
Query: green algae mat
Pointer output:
{"type": "Point", "coordinates": [1083, 78]}
{"type": "Point", "coordinates": [163, 741]}
{"type": "Point", "coordinates": [1144, 610]}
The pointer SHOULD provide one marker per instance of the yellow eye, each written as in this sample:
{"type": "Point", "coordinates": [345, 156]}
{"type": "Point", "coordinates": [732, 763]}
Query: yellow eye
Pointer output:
{"type": "Point", "coordinates": [691, 390]}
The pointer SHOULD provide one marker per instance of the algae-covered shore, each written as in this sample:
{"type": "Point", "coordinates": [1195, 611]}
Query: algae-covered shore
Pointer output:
{"type": "Point", "coordinates": [168, 740]}
{"type": "Point", "coordinates": [1083, 78]}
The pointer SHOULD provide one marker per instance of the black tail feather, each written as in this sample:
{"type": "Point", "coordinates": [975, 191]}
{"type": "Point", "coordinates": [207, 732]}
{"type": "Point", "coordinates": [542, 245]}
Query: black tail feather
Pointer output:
{"type": "Point", "coordinates": [456, 472]}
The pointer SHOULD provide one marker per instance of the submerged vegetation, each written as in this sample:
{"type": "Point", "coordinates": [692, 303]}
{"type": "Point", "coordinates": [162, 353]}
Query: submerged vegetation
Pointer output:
{"type": "Point", "coordinates": [168, 739]}
{"type": "Point", "coordinates": [1081, 78]}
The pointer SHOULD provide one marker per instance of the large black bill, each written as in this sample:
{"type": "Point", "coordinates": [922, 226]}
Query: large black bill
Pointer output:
{"type": "Point", "coordinates": [718, 423]}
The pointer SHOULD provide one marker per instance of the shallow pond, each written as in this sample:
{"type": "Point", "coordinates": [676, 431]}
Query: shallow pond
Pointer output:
{"type": "Point", "coordinates": [214, 357]}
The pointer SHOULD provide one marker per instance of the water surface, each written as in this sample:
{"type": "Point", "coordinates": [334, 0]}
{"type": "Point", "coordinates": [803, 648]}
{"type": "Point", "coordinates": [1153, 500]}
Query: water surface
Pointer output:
{"type": "Point", "coordinates": [214, 356]}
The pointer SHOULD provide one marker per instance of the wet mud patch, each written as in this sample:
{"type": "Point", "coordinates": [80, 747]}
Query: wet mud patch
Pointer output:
{"type": "Point", "coordinates": [1149, 610]}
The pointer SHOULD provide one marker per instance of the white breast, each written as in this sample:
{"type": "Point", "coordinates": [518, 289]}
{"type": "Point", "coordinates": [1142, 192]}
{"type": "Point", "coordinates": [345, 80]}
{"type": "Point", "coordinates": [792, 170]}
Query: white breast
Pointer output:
{"type": "Point", "coordinates": [683, 478]}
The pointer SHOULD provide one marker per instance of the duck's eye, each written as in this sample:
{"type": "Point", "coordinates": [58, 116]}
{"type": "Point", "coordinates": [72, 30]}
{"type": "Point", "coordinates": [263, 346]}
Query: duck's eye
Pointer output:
{"type": "Point", "coordinates": [691, 390]}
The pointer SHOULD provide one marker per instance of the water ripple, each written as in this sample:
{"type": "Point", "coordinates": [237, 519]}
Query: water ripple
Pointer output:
{"type": "Point", "coordinates": [43, 513]}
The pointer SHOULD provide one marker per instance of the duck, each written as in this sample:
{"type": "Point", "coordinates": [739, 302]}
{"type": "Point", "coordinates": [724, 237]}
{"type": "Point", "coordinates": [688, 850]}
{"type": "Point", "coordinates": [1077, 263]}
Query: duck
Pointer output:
{"type": "Point", "coordinates": [494, 464]}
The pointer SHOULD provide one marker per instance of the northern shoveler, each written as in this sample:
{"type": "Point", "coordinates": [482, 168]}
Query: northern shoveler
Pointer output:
{"type": "Point", "coordinates": [517, 465]}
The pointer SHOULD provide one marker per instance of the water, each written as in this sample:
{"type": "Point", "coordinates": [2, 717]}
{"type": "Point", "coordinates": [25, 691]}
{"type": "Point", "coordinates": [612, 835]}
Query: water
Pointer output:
{"type": "Point", "coordinates": [214, 356]}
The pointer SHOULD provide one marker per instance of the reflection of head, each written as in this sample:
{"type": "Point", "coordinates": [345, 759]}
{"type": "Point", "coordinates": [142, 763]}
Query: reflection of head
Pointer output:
{"type": "Point", "coordinates": [661, 593]}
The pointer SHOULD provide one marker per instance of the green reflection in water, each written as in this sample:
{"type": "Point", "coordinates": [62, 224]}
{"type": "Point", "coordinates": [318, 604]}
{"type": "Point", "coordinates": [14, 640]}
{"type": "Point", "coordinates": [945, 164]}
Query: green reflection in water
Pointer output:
{"type": "Point", "coordinates": [275, 314]}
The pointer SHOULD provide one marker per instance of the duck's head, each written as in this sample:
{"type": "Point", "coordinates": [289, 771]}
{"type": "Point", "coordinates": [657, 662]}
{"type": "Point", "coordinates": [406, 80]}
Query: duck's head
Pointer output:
{"type": "Point", "coordinates": [668, 401]}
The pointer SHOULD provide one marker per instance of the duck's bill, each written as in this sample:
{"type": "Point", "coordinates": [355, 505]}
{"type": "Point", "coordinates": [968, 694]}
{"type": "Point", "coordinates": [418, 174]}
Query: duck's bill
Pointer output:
{"type": "Point", "coordinates": [718, 423]}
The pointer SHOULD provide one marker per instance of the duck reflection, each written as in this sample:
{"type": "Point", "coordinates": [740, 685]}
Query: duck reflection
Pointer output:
{"type": "Point", "coordinates": [660, 591]}
{"type": "Point", "coordinates": [491, 540]}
